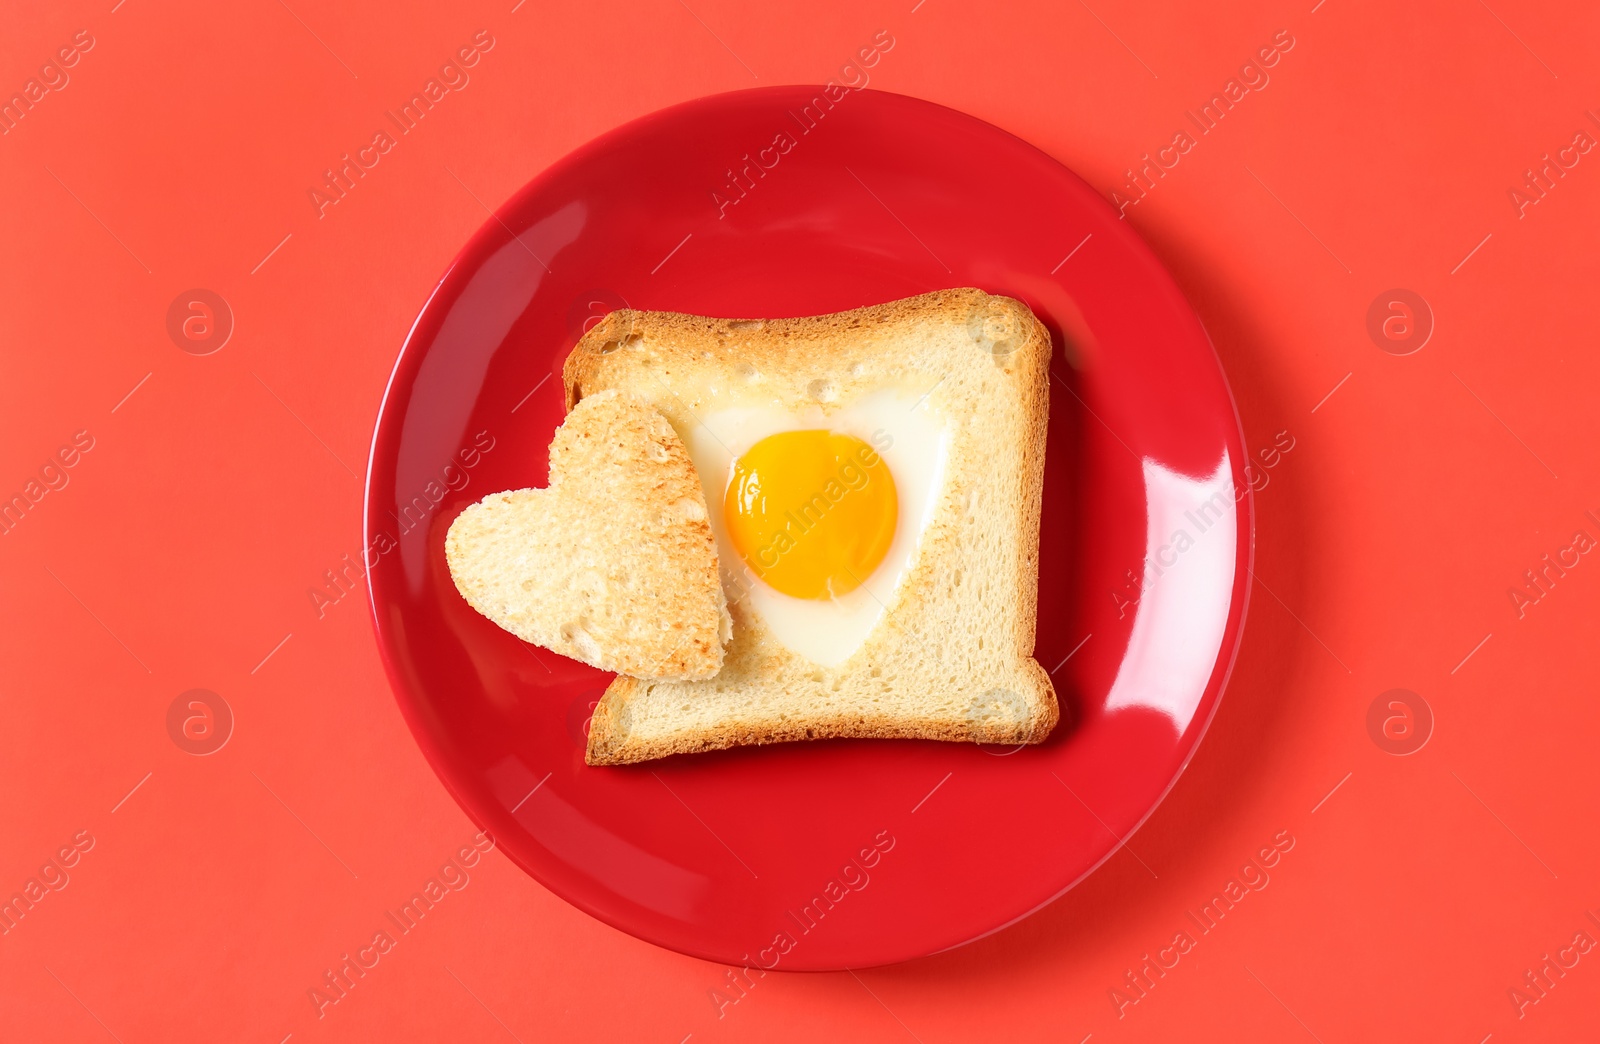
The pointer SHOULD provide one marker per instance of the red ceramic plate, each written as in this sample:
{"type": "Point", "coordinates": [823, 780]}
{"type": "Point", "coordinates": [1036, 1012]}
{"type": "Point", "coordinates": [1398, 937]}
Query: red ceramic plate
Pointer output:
{"type": "Point", "coordinates": [784, 202]}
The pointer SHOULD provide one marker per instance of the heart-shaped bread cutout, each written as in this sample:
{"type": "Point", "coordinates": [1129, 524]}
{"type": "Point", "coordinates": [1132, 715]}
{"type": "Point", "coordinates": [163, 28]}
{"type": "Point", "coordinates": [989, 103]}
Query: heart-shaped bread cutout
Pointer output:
{"type": "Point", "coordinates": [613, 564]}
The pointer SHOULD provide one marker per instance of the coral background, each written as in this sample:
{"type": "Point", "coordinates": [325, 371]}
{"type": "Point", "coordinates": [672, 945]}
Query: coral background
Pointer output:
{"type": "Point", "coordinates": [1382, 154]}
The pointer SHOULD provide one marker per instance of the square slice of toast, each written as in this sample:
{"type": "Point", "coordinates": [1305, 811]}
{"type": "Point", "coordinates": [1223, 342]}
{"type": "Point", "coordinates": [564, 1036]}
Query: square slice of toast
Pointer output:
{"type": "Point", "coordinates": [950, 654]}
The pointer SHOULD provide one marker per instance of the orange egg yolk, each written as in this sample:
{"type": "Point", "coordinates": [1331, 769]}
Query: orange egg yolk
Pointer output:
{"type": "Point", "coordinates": [812, 513]}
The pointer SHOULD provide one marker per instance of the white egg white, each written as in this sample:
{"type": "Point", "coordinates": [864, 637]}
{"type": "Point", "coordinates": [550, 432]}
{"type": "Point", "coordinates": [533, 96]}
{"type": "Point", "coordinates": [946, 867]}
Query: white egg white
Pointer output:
{"type": "Point", "coordinates": [912, 439]}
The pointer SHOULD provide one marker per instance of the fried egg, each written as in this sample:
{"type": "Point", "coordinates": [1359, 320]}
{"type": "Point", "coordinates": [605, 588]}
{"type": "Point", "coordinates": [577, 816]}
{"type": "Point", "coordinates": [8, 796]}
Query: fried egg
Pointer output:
{"type": "Point", "coordinates": [819, 515]}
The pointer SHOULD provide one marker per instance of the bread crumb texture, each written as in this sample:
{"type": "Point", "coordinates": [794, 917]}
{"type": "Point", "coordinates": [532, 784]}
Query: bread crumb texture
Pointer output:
{"type": "Point", "coordinates": [613, 564]}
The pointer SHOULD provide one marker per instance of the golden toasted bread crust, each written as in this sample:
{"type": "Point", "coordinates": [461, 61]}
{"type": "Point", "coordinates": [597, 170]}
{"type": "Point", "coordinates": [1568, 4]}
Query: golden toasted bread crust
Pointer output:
{"type": "Point", "coordinates": [610, 742]}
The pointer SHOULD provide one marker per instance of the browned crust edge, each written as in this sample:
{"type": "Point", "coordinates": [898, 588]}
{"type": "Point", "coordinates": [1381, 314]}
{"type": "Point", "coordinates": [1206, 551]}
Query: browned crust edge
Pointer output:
{"type": "Point", "coordinates": [609, 746]}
